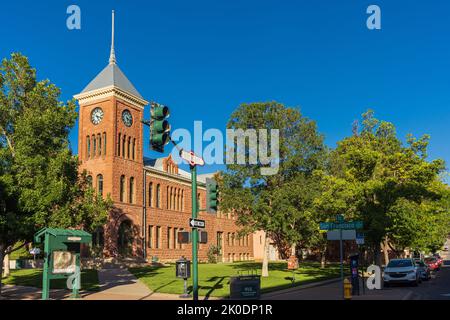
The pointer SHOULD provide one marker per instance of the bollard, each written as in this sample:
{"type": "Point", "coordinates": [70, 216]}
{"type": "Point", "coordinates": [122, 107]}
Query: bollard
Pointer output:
{"type": "Point", "coordinates": [347, 289]}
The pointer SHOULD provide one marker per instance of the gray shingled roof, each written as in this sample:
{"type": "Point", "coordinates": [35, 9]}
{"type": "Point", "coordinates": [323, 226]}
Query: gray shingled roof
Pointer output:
{"type": "Point", "coordinates": [112, 75]}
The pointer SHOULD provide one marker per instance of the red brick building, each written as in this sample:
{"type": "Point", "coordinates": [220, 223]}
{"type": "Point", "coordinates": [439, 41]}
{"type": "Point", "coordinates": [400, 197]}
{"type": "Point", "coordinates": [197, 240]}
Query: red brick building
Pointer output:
{"type": "Point", "coordinates": [152, 197]}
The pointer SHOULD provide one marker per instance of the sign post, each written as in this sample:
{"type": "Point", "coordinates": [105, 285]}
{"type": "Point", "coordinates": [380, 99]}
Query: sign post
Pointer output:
{"type": "Point", "coordinates": [194, 233]}
{"type": "Point", "coordinates": [341, 225]}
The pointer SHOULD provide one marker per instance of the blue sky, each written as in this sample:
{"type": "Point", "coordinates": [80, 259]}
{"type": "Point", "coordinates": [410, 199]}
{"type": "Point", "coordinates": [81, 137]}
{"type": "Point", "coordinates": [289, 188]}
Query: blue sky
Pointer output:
{"type": "Point", "coordinates": [204, 58]}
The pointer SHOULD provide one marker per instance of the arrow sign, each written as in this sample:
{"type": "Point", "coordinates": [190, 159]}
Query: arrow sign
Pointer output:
{"type": "Point", "coordinates": [197, 223]}
{"type": "Point", "coordinates": [190, 157]}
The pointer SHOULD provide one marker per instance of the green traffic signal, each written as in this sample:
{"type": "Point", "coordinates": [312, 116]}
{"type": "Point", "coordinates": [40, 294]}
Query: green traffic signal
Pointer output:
{"type": "Point", "coordinates": [212, 196]}
{"type": "Point", "coordinates": [159, 127]}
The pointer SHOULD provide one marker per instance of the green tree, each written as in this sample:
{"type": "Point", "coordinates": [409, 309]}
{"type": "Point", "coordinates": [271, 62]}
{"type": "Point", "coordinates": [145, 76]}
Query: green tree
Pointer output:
{"type": "Point", "coordinates": [39, 180]}
{"type": "Point", "coordinates": [374, 177]}
{"type": "Point", "coordinates": [263, 202]}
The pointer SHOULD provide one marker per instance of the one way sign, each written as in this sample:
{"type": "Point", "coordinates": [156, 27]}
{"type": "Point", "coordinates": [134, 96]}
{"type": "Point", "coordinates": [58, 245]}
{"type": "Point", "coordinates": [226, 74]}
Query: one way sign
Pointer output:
{"type": "Point", "coordinates": [197, 223]}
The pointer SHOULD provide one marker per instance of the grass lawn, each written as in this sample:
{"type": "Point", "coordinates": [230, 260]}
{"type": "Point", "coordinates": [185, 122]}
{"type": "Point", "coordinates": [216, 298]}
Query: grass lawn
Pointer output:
{"type": "Point", "coordinates": [33, 278]}
{"type": "Point", "coordinates": [214, 278]}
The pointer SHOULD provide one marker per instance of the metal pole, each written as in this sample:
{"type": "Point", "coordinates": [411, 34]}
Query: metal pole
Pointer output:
{"type": "Point", "coordinates": [194, 233]}
{"type": "Point", "coordinates": [45, 275]}
{"type": "Point", "coordinates": [342, 261]}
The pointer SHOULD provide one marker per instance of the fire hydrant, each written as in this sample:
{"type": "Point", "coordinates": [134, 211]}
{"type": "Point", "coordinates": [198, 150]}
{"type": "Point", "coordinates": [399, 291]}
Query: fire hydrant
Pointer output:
{"type": "Point", "coordinates": [347, 289]}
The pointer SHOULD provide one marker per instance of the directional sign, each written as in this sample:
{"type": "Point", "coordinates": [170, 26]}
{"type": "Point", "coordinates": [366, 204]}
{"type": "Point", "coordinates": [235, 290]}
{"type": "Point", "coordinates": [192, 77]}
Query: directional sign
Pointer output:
{"type": "Point", "coordinates": [345, 225]}
{"type": "Point", "coordinates": [190, 157]}
{"type": "Point", "coordinates": [197, 223]}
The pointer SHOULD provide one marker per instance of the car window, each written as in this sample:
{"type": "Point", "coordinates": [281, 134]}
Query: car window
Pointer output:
{"type": "Point", "coordinates": [399, 263]}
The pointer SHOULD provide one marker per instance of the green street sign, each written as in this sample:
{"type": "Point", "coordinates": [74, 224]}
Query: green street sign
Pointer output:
{"type": "Point", "coordinates": [344, 225]}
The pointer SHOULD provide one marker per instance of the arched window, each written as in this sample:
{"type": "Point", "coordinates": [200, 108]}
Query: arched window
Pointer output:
{"type": "Point", "coordinates": [182, 200]}
{"type": "Point", "coordinates": [168, 198]}
{"type": "Point", "coordinates": [89, 181]}
{"type": "Point", "coordinates": [88, 147]}
{"type": "Point", "coordinates": [118, 144]}
{"type": "Point", "coordinates": [99, 138]}
{"type": "Point", "coordinates": [100, 184]}
{"type": "Point", "coordinates": [134, 149]}
{"type": "Point", "coordinates": [178, 200]}
{"type": "Point", "coordinates": [150, 194]}
{"type": "Point", "coordinates": [128, 148]}
{"type": "Point", "coordinates": [94, 149]}
{"type": "Point", "coordinates": [122, 188]}
{"type": "Point", "coordinates": [124, 140]}
{"type": "Point", "coordinates": [132, 190]}
{"type": "Point", "coordinates": [158, 196]}
{"type": "Point", "coordinates": [104, 143]}
{"type": "Point", "coordinates": [171, 199]}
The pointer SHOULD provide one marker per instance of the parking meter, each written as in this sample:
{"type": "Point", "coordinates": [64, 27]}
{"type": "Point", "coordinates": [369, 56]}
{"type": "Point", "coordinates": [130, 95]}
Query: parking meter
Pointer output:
{"type": "Point", "coordinates": [354, 273]}
{"type": "Point", "coordinates": [183, 269]}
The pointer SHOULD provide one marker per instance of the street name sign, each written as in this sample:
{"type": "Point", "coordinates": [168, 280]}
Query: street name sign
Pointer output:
{"type": "Point", "coordinates": [190, 157]}
{"type": "Point", "coordinates": [359, 238]}
{"type": "Point", "coordinates": [197, 223]}
{"type": "Point", "coordinates": [345, 225]}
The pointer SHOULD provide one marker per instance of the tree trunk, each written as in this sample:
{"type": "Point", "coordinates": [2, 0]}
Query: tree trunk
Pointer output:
{"type": "Point", "coordinates": [6, 270]}
{"type": "Point", "coordinates": [386, 251]}
{"type": "Point", "coordinates": [265, 264]}
{"type": "Point", "coordinates": [1, 269]}
{"type": "Point", "coordinates": [376, 253]}
{"type": "Point", "coordinates": [323, 257]}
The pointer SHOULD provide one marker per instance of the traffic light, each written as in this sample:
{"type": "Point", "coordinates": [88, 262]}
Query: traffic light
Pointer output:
{"type": "Point", "coordinates": [211, 196]}
{"type": "Point", "coordinates": [159, 127]}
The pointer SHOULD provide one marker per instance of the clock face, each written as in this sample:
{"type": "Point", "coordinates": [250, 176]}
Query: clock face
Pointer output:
{"type": "Point", "coordinates": [97, 115]}
{"type": "Point", "coordinates": [127, 118]}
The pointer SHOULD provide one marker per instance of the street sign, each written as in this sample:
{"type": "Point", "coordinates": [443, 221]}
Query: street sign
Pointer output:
{"type": "Point", "coordinates": [190, 157]}
{"type": "Point", "coordinates": [359, 238]}
{"type": "Point", "coordinates": [197, 223]}
{"type": "Point", "coordinates": [333, 235]}
{"type": "Point", "coordinates": [345, 225]}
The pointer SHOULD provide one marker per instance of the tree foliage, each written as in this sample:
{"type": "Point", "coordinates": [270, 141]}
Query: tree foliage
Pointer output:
{"type": "Point", "coordinates": [39, 180]}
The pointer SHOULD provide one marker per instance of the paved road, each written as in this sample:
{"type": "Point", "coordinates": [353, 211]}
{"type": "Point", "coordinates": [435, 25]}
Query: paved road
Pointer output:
{"type": "Point", "coordinates": [438, 288]}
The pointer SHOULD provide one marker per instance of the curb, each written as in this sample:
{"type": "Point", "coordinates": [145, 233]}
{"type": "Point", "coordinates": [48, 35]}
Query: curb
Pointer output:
{"type": "Point", "coordinates": [299, 287]}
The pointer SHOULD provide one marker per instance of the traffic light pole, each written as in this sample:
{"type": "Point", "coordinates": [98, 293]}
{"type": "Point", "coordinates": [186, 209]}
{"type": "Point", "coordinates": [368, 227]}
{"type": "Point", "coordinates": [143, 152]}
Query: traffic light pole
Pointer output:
{"type": "Point", "coordinates": [194, 233]}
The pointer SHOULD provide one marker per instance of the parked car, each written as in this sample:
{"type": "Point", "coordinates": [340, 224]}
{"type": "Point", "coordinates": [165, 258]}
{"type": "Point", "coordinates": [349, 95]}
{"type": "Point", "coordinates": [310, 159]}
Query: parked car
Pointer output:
{"type": "Point", "coordinates": [440, 261]}
{"type": "Point", "coordinates": [423, 269]}
{"type": "Point", "coordinates": [432, 263]}
{"type": "Point", "coordinates": [401, 271]}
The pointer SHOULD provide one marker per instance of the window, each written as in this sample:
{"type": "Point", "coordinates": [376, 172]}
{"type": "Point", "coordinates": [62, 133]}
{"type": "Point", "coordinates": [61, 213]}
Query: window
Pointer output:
{"type": "Point", "coordinates": [150, 236]}
{"type": "Point", "coordinates": [88, 147]}
{"type": "Point", "coordinates": [168, 198]}
{"type": "Point", "coordinates": [94, 151]}
{"type": "Point", "coordinates": [158, 196]}
{"type": "Point", "coordinates": [104, 143]}
{"type": "Point", "coordinates": [128, 148]}
{"type": "Point", "coordinates": [118, 144]}
{"type": "Point", "coordinates": [100, 184]}
{"type": "Point", "coordinates": [89, 181]}
{"type": "Point", "coordinates": [182, 200]}
{"type": "Point", "coordinates": [228, 239]}
{"type": "Point", "coordinates": [169, 237]}
{"type": "Point", "coordinates": [178, 200]}
{"type": "Point", "coordinates": [122, 188]}
{"type": "Point", "coordinates": [124, 140]}
{"type": "Point", "coordinates": [175, 238]}
{"type": "Point", "coordinates": [134, 148]}
{"type": "Point", "coordinates": [99, 139]}
{"type": "Point", "coordinates": [232, 240]}
{"type": "Point", "coordinates": [132, 190]}
{"type": "Point", "coordinates": [158, 238]}
{"type": "Point", "coordinates": [150, 194]}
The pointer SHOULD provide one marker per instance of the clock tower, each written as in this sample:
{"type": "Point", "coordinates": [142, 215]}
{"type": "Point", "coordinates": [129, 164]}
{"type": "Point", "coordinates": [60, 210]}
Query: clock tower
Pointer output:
{"type": "Point", "coordinates": [110, 149]}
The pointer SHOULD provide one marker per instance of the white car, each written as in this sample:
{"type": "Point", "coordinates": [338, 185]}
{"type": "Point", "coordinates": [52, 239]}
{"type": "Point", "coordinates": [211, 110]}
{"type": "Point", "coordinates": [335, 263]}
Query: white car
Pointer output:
{"type": "Point", "coordinates": [401, 271]}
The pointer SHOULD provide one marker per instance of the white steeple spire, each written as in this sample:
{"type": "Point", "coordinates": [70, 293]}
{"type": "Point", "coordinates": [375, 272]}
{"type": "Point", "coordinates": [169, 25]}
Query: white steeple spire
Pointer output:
{"type": "Point", "coordinates": [112, 56]}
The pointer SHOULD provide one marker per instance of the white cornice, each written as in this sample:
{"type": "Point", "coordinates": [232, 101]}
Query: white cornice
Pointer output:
{"type": "Point", "coordinates": [91, 96]}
